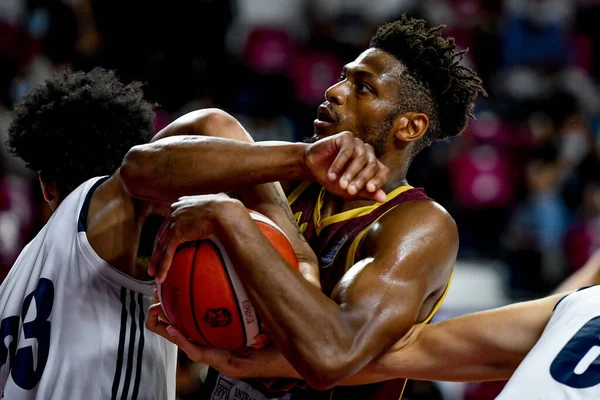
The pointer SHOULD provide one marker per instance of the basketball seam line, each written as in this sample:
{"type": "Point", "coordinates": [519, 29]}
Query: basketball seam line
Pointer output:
{"type": "Point", "coordinates": [192, 294]}
{"type": "Point", "coordinates": [233, 292]}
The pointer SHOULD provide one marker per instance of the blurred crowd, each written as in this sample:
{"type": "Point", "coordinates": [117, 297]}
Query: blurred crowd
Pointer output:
{"type": "Point", "coordinates": [523, 182]}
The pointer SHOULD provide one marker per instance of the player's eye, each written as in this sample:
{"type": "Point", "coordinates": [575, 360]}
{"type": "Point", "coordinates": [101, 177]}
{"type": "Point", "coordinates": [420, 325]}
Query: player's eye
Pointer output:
{"type": "Point", "coordinates": [362, 87]}
{"type": "Point", "coordinates": [342, 77]}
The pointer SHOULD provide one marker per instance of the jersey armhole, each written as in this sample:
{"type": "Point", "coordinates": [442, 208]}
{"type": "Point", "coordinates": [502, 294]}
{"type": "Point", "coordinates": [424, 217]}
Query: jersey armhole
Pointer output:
{"type": "Point", "coordinates": [567, 295]}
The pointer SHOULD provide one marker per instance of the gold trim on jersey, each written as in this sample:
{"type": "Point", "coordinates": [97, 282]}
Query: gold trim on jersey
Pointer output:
{"type": "Point", "coordinates": [354, 213]}
{"type": "Point", "coordinates": [320, 224]}
{"type": "Point", "coordinates": [297, 192]}
{"type": "Point", "coordinates": [351, 260]}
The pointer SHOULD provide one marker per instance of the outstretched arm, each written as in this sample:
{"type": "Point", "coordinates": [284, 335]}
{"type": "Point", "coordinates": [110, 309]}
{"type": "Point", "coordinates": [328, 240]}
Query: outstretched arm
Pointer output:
{"type": "Point", "coordinates": [487, 345]}
{"type": "Point", "coordinates": [482, 346]}
{"type": "Point", "coordinates": [587, 275]}
{"type": "Point", "coordinates": [215, 160]}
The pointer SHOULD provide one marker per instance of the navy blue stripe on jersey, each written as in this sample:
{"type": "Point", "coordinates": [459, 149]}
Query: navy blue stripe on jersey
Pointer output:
{"type": "Point", "coordinates": [132, 334]}
{"type": "Point", "coordinates": [117, 378]}
{"type": "Point", "coordinates": [82, 221]}
{"type": "Point", "coordinates": [138, 367]}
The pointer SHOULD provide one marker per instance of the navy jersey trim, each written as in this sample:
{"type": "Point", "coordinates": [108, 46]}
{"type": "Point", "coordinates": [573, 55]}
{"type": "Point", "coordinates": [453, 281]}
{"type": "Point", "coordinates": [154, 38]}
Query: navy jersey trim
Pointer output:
{"type": "Point", "coordinates": [138, 367]}
{"type": "Point", "coordinates": [82, 221]}
{"type": "Point", "coordinates": [129, 365]}
{"type": "Point", "coordinates": [117, 378]}
{"type": "Point", "coordinates": [131, 350]}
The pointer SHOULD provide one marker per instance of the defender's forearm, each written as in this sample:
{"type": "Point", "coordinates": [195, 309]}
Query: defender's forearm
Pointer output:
{"type": "Point", "coordinates": [177, 166]}
{"type": "Point", "coordinates": [189, 157]}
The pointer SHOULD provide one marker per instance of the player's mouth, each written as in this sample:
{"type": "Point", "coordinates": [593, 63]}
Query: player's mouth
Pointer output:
{"type": "Point", "coordinates": [325, 117]}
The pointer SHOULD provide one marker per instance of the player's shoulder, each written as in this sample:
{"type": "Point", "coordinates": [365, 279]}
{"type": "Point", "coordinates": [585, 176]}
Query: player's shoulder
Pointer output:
{"type": "Point", "coordinates": [424, 226]}
{"type": "Point", "coordinates": [419, 213]}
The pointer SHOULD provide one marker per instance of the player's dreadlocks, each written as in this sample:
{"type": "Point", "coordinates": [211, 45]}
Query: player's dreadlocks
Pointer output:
{"type": "Point", "coordinates": [435, 82]}
{"type": "Point", "coordinates": [79, 125]}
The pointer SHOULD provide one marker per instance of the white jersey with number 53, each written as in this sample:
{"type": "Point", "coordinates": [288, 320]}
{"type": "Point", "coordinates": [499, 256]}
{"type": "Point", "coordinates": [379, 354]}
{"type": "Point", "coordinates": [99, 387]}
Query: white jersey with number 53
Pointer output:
{"type": "Point", "coordinates": [72, 326]}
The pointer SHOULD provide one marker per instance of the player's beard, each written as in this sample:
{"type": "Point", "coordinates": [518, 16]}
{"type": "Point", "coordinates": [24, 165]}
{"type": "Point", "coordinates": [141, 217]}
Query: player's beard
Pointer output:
{"type": "Point", "coordinates": [376, 136]}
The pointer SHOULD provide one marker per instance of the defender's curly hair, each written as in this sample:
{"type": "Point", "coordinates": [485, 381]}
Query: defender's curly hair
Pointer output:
{"type": "Point", "coordinates": [435, 82]}
{"type": "Point", "coordinates": [79, 125]}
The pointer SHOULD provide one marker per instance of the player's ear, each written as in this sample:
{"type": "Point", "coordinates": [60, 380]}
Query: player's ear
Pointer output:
{"type": "Point", "coordinates": [410, 126]}
{"type": "Point", "coordinates": [49, 190]}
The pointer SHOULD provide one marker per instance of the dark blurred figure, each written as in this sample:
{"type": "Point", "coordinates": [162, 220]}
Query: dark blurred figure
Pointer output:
{"type": "Point", "coordinates": [187, 380]}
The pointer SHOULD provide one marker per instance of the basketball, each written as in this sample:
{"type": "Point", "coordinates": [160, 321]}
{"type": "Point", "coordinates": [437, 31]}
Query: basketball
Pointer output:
{"type": "Point", "coordinates": [203, 296]}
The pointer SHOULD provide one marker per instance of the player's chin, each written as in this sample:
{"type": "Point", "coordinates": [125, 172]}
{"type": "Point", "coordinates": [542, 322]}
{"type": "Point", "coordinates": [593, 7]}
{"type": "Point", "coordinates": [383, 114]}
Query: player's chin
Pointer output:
{"type": "Point", "coordinates": [323, 130]}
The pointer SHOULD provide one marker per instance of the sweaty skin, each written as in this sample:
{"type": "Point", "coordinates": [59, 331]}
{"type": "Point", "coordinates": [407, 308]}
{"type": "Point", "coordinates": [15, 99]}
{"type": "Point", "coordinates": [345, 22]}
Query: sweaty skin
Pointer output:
{"type": "Point", "coordinates": [405, 262]}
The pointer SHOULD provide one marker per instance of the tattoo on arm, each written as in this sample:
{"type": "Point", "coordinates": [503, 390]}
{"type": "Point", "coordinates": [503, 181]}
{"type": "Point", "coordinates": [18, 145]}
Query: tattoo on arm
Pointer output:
{"type": "Point", "coordinates": [282, 203]}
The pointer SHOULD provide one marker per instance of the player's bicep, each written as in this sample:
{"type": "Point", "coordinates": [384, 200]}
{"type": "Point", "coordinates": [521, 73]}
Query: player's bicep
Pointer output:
{"type": "Point", "coordinates": [404, 267]}
{"type": "Point", "coordinates": [379, 303]}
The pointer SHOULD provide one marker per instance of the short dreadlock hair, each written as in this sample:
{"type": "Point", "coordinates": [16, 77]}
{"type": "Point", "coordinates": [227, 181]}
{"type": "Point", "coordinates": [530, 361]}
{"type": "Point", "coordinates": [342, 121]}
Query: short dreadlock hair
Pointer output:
{"type": "Point", "coordinates": [435, 82]}
{"type": "Point", "coordinates": [79, 125]}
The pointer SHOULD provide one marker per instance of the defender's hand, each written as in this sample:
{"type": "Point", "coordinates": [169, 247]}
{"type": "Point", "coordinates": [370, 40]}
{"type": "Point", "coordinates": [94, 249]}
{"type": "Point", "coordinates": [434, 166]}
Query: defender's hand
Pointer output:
{"type": "Point", "coordinates": [347, 167]}
{"type": "Point", "coordinates": [191, 218]}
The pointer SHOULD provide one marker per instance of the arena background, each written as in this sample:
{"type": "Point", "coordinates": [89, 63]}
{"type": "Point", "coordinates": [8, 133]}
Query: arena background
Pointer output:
{"type": "Point", "coordinates": [523, 182]}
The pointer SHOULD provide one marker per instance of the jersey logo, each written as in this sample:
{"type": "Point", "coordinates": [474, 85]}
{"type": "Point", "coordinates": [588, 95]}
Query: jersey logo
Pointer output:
{"type": "Point", "coordinates": [27, 355]}
{"type": "Point", "coordinates": [330, 253]}
{"type": "Point", "coordinates": [217, 317]}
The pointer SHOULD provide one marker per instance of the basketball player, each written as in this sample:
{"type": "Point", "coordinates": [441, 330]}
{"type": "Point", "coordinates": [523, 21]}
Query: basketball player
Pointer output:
{"type": "Point", "coordinates": [73, 307]}
{"type": "Point", "coordinates": [383, 267]}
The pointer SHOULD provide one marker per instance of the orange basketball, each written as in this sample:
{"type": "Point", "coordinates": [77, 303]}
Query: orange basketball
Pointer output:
{"type": "Point", "coordinates": [203, 296]}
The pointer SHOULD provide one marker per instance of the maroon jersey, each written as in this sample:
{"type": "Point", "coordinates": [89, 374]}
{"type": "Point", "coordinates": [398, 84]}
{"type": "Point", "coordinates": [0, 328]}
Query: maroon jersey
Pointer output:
{"type": "Point", "coordinates": [335, 240]}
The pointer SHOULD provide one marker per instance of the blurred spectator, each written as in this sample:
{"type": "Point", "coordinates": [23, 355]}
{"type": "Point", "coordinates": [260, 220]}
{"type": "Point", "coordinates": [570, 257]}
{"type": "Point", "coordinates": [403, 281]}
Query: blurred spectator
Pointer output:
{"type": "Point", "coordinates": [535, 234]}
{"type": "Point", "coordinates": [188, 380]}
{"type": "Point", "coordinates": [16, 217]}
{"type": "Point", "coordinates": [583, 238]}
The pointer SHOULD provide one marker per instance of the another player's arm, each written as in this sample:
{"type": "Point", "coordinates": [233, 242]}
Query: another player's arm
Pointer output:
{"type": "Point", "coordinates": [588, 274]}
{"type": "Point", "coordinates": [487, 345]}
{"type": "Point", "coordinates": [375, 304]}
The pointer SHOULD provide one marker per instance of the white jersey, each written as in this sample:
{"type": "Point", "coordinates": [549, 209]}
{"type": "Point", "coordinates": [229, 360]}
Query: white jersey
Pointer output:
{"type": "Point", "coordinates": [73, 326]}
{"type": "Point", "coordinates": [565, 363]}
